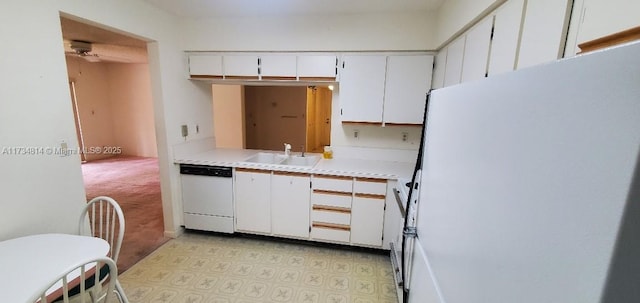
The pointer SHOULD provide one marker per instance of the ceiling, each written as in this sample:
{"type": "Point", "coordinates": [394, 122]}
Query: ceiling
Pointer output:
{"type": "Point", "coordinates": [112, 46]}
{"type": "Point", "coordinates": [253, 8]}
{"type": "Point", "coordinates": [108, 46]}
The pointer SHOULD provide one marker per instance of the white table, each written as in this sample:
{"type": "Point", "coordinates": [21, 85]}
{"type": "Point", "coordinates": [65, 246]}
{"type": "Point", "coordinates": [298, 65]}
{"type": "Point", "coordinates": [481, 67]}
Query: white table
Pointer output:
{"type": "Point", "coordinates": [32, 262]}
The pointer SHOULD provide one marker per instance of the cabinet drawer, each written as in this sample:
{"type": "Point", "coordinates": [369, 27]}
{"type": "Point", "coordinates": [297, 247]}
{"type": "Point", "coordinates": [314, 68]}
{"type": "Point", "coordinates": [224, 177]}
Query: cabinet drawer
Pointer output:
{"type": "Point", "coordinates": [331, 199]}
{"type": "Point", "coordinates": [370, 186]}
{"type": "Point", "coordinates": [330, 233]}
{"type": "Point", "coordinates": [333, 215]}
{"type": "Point", "coordinates": [341, 184]}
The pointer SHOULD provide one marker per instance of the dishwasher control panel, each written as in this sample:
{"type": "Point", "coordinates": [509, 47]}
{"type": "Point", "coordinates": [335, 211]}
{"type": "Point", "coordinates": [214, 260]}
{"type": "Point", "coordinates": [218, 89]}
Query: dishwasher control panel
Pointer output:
{"type": "Point", "coordinates": [205, 170]}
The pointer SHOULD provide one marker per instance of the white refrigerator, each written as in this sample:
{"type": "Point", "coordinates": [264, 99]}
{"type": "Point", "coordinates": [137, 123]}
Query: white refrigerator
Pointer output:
{"type": "Point", "coordinates": [530, 186]}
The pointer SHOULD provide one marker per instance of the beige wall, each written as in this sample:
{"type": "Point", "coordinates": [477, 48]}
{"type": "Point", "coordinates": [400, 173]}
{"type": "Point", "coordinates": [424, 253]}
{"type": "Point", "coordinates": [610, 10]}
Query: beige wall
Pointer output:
{"type": "Point", "coordinates": [92, 95]}
{"type": "Point", "coordinates": [456, 15]}
{"type": "Point", "coordinates": [115, 107]}
{"type": "Point", "coordinates": [45, 193]}
{"type": "Point", "coordinates": [132, 109]}
{"type": "Point", "coordinates": [275, 115]}
{"type": "Point", "coordinates": [228, 115]}
{"type": "Point", "coordinates": [388, 31]}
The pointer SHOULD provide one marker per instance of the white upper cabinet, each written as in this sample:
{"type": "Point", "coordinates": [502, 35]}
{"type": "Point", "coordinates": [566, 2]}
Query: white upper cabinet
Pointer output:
{"type": "Point", "coordinates": [241, 66]}
{"type": "Point", "coordinates": [205, 65]}
{"type": "Point", "coordinates": [525, 33]}
{"type": "Point", "coordinates": [476, 51]}
{"type": "Point", "coordinates": [455, 57]}
{"type": "Point", "coordinates": [506, 33]}
{"type": "Point", "coordinates": [278, 67]}
{"type": "Point", "coordinates": [322, 67]}
{"type": "Point", "coordinates": [544, 31]}
{"type": "Point", "coordinates": [408, 80]}
{"type": "Point", "coordinates": [362, 88]}
{"type": "Point", "coordinates": [439, 68]}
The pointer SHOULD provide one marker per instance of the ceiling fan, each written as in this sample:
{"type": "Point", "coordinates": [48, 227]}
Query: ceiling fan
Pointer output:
{"type": "Point", "coordinates": [83, 50]}
{"type": "Point", "coordinates": [98, 52]}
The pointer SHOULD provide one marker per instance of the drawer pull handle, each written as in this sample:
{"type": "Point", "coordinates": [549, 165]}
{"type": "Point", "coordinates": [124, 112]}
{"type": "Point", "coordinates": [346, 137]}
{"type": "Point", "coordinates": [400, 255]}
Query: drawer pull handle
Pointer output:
{"type": "Point", "coordinates": [336, 209]}
{"type": "Point", "coordinates": [370, 196]}
{"type": "Point", "coordinates": [331, 192]}
{"type": "Point", "coordinates": [331, 226]}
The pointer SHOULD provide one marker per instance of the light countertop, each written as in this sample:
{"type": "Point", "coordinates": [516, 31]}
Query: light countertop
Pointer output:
{"type": "Point", "coordinates": [336, 166]}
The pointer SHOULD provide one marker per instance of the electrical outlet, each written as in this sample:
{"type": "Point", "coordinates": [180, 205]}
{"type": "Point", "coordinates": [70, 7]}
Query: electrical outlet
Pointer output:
{"type": "Point", "coordinates": [356, 134]}
{"type": "Point", "coordinates": [405, 137]}
{"type": "Point", "coordinates": [185, 130]}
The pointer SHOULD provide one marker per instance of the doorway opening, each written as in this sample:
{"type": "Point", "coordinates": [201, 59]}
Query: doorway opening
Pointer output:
{"type": "Point", "coordinates": [110, 86]}
{"type": "Point", "coordinates": [266, 117]}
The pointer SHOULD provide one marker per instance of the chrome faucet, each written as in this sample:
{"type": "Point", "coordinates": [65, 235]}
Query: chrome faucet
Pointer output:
{"type": "Point", "coordinates": [287, 149]}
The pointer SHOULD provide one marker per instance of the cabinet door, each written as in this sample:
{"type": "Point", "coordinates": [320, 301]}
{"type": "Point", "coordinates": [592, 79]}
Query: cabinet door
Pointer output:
{"type": "Point", "coordinates": [253, 207]}
{"type": "Point", "coordinates": [367, 219]}
{"type": "Point", "coordinates": [408, 80]}
{"type": "Point", "coordinates": [317, 67]}
{"type": "Point", "coordinates": [453, 68]}
{"type": "Point", "coordinates": [476, 51]}
{"type": "Point", "coordinates": [506, 34]}
{"type": "Point", "coordinates": [290, 194]}
{"type": "Point", "coordinates": [241, 67]}
{"type": "Point", "coordinates": [439, 68]}
{"type": "Point", "coordinates": [205, 65]}
{"type": "Point", "coordinates": [544, 31]}
{"type": "Point", "coordinates": [362, 88]}
{"type": "Point", "coordinates": [278, 67]}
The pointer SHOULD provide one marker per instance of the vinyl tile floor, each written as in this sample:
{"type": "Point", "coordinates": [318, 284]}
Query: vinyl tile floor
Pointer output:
{"type": "Point", "coordinates": [222, 269]}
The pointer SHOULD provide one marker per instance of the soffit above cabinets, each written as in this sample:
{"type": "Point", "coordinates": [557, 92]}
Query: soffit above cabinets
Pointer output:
{"type": "Point", "coordinates": [252, 8]}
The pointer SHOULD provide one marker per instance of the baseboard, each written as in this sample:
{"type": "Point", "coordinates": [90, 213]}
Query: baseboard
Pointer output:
{"type": "Point", "coordinates": [174, 233]}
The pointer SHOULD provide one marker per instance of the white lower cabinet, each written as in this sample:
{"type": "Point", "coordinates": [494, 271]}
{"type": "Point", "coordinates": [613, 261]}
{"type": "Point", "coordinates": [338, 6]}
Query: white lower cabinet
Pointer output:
{"type": "Point", "coordinates": [367, 211]}
{"type": "Point", "coordinates": [290, 194]}
{"type": "Point", "coordinates": [367, 219]}
{"type": "Point", "coordinates": [253, 206]}
{"type": "Point", "coordinates": [332, 209]}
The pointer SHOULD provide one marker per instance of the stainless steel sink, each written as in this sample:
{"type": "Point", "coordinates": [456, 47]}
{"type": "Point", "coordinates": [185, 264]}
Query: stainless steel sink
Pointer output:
{"type": "Point", "coordinates": [301, 161]}
{"type": "Point", "coordinates": [279, 159]}
{"type": "Point", "coordinates": [266, 158]}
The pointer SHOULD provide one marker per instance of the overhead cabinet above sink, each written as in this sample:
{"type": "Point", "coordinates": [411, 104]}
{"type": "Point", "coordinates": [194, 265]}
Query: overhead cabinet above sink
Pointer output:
{"type": "Point", "coordinates": [384, 89]}
{"type": "Point", "coordinates": [265, 67]}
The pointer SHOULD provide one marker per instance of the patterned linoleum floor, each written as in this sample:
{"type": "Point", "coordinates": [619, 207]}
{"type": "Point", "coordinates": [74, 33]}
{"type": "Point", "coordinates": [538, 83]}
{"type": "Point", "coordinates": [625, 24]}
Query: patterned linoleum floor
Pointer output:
{"type": "Point", "coordinates": [218, 269]}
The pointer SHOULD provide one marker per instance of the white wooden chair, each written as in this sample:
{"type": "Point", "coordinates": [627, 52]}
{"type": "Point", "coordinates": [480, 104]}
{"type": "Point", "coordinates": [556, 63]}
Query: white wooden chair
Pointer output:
{"type": "Point", "coordinates": [106, 221]}
{"type": "Point", "coordinates": [77, 284]}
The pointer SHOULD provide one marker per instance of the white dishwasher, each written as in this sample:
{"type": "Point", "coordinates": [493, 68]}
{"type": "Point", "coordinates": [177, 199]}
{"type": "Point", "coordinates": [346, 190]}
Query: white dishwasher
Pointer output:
{"type": "Point", "coordinates": [207, 197]}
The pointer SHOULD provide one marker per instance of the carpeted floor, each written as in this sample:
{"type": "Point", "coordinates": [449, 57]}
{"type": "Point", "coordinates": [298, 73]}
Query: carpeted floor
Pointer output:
{"type": "Point", "coordinates": [135, 183]}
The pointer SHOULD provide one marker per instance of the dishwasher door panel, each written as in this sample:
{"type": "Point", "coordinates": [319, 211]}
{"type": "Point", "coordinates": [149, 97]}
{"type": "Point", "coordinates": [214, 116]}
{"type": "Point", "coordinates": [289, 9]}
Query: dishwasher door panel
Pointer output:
{"type": "Point", "coordinates": [207, 195]}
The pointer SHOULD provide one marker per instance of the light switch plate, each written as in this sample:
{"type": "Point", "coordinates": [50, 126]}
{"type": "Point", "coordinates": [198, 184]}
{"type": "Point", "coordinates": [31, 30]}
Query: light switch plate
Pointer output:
{"type": "Point", "coordinates": [185, 130]}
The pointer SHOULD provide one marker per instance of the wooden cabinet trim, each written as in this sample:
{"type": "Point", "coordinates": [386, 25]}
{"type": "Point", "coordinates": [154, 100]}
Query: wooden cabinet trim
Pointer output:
{"type": "Point", "coordinates": [346, 178]}
{"type": "Point", "coordinates": [336, 209]}
{"type": "Point", "coordinates": [331, 226]}
{"type": "Point", "coordinates": [252, 170]}
{"type": "Point", "coordinates": [288, 173]}
{"type": "Point", "coordinates": [331, 192]}
{"type": "Point", "coordinates": [317, 78]}
{"type": "Point", "coordinates": [610, 40]}
{"type": "Point", "coordinates": [290, 78]}
{"type": "Point", "coordinates": [372, 180]}
{"type": "Point", "coordinates": [241, 77]}
{"type": "Point", "coordinates": [362, 123]}
{"type": "Point", "coordinates": [205, 77]}
{"type": "Point", "coordinates": [370, 196]}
